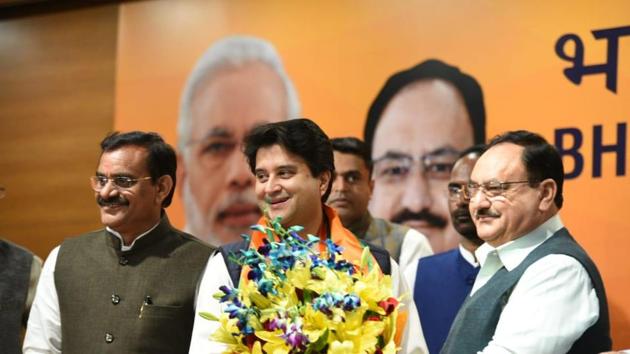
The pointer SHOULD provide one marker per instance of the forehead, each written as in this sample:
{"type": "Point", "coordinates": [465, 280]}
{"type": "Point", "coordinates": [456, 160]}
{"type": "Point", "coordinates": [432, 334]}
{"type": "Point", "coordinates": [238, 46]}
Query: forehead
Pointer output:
{"type": "Point", "coordinates": [237, 99]}
{"type": "Point", "coordinates": [127, 159]}
{"type": "Point", "coordinates": [424, 116]}
{"type": "Point", "coordinates": [345, 162]}
{"type": "Point", "coordinates": [501, 162]}
{"type": "Point", "coordinates": [463, 168]}
{"type": "Point", "coordinates": [275, 156]}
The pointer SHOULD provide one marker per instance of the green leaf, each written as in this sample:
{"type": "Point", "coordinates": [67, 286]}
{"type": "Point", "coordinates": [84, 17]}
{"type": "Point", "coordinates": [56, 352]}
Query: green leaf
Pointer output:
{"type": "Point", "coordinates": [270, 235]}
{"type": "Point", "coordinates": [208, 316]}
{"type": "Point", "coordinates": [319, 344]}
{"type": "Point", "coordinates": [258, 228]}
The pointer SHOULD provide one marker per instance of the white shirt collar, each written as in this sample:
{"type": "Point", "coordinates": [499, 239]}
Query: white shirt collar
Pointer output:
{"type": "Point", "coordinates": [468, 256]}
{"type": "Point", "coordinates": [514, 252]}
{"type": "Point", "coordinates": [122, 242]}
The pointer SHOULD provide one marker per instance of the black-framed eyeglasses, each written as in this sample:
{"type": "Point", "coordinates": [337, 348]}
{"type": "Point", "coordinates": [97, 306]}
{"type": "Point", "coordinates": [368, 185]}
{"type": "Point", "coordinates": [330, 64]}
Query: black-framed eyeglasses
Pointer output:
{"type": "Point", "coordinates": [119, 182]}
{"type": "Point", "coordinates": [394, 167]}
{"type": "Point", "coordinates": [493, 188]}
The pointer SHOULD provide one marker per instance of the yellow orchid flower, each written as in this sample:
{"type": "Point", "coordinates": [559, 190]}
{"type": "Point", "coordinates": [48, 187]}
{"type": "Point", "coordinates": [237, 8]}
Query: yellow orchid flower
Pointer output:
{"type": "Point", "coordinates": [344, 347]}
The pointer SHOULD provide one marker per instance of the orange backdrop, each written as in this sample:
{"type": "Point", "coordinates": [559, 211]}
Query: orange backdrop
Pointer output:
{"type": "Point", "coordinates": [339, 54]}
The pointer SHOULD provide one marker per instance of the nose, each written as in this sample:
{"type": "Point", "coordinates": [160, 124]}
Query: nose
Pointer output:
{"type": "Point", "coordinates": [478, 201]}
{"type": "Point", "coordinates": [463, 199]}
{"type": "Point", "coordinates": [339, 185]}
{"type": "Point", "coordinates": [272, 186]}
{"type": "Point", "coordinates": [416, 193]}
{"type": "Point", "coordinates": [108, 190]}
{"type": "Point", "coordinates": [238, 174]}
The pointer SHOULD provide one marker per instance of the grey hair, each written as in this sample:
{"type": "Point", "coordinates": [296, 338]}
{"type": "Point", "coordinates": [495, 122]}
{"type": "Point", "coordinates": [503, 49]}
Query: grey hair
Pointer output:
{"type": "Point", "coordinates": [231, 52]}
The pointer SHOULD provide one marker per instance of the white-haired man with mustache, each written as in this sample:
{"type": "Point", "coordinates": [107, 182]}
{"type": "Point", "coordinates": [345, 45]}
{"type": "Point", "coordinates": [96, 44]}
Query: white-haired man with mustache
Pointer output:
{"type": "Point", "coordinates": [237, 84]}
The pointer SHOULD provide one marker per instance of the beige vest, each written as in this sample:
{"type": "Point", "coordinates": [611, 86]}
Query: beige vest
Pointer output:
{"type": "Point", "coordinates": [137, 301]}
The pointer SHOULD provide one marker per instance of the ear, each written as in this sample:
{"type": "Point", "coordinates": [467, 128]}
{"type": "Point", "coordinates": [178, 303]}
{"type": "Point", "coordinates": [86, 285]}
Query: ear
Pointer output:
{"type": "Point", "coordinates": [181, 171]}
{"type": "Point", "coordinates": [324, 179]}
{"type": "Point", "coordinates": [371, 186]}
{"type": "Point", "coordinates": [164, 184]}
{"type": "Point", "coordinates": [548, 190]}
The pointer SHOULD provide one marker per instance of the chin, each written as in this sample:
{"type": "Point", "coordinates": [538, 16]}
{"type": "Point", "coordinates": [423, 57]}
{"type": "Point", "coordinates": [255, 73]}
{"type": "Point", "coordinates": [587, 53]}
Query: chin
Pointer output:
{"type": "Point", "coordinates": [109, 219]}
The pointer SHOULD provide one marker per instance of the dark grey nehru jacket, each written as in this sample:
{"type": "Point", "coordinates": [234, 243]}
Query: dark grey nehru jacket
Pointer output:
{"type": "Point", "coordinates": [477, 319]}
{"type": "Point", "coordinates": [136, 301]}
{"type": "Point", "coordinates": [15, 271]}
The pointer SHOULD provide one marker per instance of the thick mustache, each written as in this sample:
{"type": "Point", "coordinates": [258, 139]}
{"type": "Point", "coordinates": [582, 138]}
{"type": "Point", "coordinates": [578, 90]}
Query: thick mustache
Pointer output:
{"type": "Point", "coordinates": [118, 200]}
{"type": "Point", "coordinates": [486, 212]}
{"type": "Point", "coordinates": [423, 215]}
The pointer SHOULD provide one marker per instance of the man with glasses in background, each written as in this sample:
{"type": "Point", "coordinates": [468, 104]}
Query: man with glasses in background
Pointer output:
{"type": "Point", "coordinates": [442, 282]}
{"type": "Point", "coordinates": [19, 271]}
{"type": "Point", "coordinates": [237, 84]}
{"type": "Point", "coordinates": [415, 129]}
{"type": "Point", "coordinates": [130, 287]}
{"type": "Point", "coordinates": [537, 290]}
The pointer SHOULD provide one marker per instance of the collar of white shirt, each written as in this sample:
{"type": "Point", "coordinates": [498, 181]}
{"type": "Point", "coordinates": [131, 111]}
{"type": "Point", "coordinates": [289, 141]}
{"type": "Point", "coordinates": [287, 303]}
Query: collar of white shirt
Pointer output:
{"type": "Point", "coordinates": [514, 252]}
{"type": "Point", "coordinates": [468, 256]}
{"type": "Point", "coordinates": [122, 242]}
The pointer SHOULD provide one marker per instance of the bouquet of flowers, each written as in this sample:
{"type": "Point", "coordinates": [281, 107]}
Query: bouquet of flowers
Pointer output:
{"type": "Point", "coordinates": [295, 299]}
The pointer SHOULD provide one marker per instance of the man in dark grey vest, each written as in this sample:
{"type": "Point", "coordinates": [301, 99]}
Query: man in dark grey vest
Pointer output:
{"type": "Point", "coordinates": [537, 290]}
{"type": "Point", "coordinates": [19, 271]}
{"type": "Point", "coordinates": [131, 287]}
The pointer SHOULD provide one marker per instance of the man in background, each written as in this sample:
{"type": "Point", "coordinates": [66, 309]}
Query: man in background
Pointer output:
{"type": "Point", "coordinates": [19, 271]}
{"type": "Point", "coordinates": [237, 84]}
{"type": "Point", "coordinates": [351, 192]}
{"type": "Point", "coordinates": [537, 290]}
{"type": "Point", "coordinates": [441, 282]}
{"type": "Point", "coordinates": [130, 287]}
{"type": "Point", "coordinates": [419, 122]}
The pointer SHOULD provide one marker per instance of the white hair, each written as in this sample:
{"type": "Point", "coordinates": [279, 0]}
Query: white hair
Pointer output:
{"type": "Point", "coordinates": [231, 52]}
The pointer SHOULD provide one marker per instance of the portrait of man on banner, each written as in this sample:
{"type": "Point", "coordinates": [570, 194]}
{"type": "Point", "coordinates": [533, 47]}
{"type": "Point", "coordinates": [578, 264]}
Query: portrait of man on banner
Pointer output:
{"type": "Point", "coordinates": [237, 84]}
{"type": "Point", "coordinates": [417, 125]}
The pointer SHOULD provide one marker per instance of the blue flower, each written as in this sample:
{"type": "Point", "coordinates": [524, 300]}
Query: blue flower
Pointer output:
{"type": "Point", "coordinates": [333, 248]}
{"type": "Point", "coordinates": [351, 302]}
{"type": "Point", "coordinates": [230, 294]}
{"type": "Point", "coordinates": [266, 286]}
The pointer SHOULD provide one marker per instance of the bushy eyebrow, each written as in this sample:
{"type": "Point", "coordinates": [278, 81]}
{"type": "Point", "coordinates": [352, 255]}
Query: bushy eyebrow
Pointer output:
{"type": "Point", "coordinates": [122, 174]}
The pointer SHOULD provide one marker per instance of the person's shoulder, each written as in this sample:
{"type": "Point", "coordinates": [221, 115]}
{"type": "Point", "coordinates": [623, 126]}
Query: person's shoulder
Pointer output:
{"type": "Point", "coordinates": [13, 247]}
{"type": "Point", "coordinates": [389, 224]}
{"type": "Point", "coordinates": [193, 241]}
{"type": "Point", "coordinates": [439, 258]}
{"type": "Point", "coordinates": [90, 235]}
{"type": "Point", "coordinates": [390, 228]}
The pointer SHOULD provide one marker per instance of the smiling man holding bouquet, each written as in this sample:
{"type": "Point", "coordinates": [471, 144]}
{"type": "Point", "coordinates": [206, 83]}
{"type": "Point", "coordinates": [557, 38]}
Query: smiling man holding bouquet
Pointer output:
{"type": "Point", "coordinates": [293, 164]}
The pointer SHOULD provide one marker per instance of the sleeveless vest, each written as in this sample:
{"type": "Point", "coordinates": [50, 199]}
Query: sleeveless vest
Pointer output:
{"type": "Point", "coordinates": [136, 301]}
{"type": "Point", "coordinates": [476, 321]}
{"type": "Point", "coordinates": [15, 271]}
{"type": "Point", "coordinates": [443, 282]}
